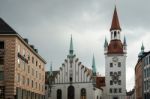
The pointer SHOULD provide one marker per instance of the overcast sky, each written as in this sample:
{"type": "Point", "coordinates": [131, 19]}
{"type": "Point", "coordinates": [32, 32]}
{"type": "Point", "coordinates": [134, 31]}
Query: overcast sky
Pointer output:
{"type": "Point", "coordinates": [48, 25]}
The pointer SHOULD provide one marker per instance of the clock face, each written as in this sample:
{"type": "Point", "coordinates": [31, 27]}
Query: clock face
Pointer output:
{"type": "Point", "coordinates": [115, 59]}
{"type": "Point", "coordinates": [115, 77]}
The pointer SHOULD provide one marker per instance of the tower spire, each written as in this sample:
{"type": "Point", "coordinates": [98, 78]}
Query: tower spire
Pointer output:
{"type": "Point", "coordinates": [71, 46]}
{"type": "Point", "coordinates": [93, 66]}
{"type": "Point", "coordinates": [115, 21]}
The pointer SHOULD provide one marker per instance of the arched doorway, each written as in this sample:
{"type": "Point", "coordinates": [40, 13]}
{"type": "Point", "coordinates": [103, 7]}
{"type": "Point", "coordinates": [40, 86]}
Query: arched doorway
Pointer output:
{"type": "Point", "coordinates": [83, 93]}
{"type": "Point", "coordinates": [71, 92]}
{"type": "Point", "coordinates": [59, 94]}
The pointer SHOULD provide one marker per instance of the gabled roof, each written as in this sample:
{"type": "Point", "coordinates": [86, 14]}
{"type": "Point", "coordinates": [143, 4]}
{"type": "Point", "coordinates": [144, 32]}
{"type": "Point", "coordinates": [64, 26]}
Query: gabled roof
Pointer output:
{"type": "Point", "coordinates": [115, 21]}
{"type": "Point", "coordinates": [5, 28]}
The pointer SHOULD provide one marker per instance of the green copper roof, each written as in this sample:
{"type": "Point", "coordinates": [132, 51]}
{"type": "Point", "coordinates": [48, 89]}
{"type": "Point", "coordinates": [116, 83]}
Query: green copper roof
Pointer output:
{"type": "Point", "coordinates": [142, 51]}
{"type": "Point", "coordinates": [142, 47]}
{"type": "Point", "coordinates": [71, 46]}
{"type": "Point", "coordinates": [106, 43]}
{"type": "Point", "coordinates": [93, 66]}
{"type": "Point", "coordinates": [51, 71]}
{"type": "Point", "coordinates": [124, 43]}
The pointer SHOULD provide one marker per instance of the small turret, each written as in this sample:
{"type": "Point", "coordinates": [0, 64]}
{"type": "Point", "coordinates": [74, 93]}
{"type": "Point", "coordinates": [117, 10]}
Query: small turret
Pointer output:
{"type": "Point", "coordinates": [142, 51]}
{"type": "Point", "coordinates": [105, 46]}
{"type": "Point", "coordinates": [124, 45]}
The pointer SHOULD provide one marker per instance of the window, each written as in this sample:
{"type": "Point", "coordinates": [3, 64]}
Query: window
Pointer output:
{"type": "Point", "coordinates": [119, 82]}
{"type": "Point", "coordinates": [1, 75]}
{"type": "Point", "coordinates": [120, 90]}
{"type": "Point", "coordinates": [1, 61]}
{"type": "Point", "coordinates": [83, 93]}
{"type": "Point", "coordinates": [32, 84]}
{"type": "Point", "coordinates": [32, 60]}
{"type": "Point", "coordinates": [111, 82]}
{"type": "Point", "coordinates": [18, 77]}
{"type": "Point", "coordinates": [2, 92]}
{"type": "Point", "coordinates": [36, 84]}
{"type": "Point", "coordinates": [115, 90]}
{"type": "Point", "coordinates": [119, 64]}
{"type": "Point", "coordinates": [32, 72]}
{"type": "Point", "coordinates": [28, 82]}
{"type": "Point", "coordinates": [28, 68]}
{"type": "Point", "coordinates": [18, 62]}
{"type": "Point", "coordinates": [36, 63]}
{"type": "Point", "coordinates": [23, 52]}
{"type": "Point", "coordinates": [39, 86]}
{"type": "Point", "coordinates": [59, 94]}
{"type": "Point", "coordinates": [115, 34]}
{"type": "Point", "coordinates": [119, 73]}
{"type": "Point", "coordinates": [39, 75]}
{"type": "Point", "coordinates": [18, 48]}
{"type": "Point", "coordinates": [110, 90]}
{"type": "Point", "coordinates": [1, 44]}
{"type": "Point", "coordinates": [111, 64]}
{"type": "Point", "coordinates": [36, 74]}
{"type": "Point", "coordinates": [23, 80]}
{"type": "Point", "coordinates": [111, 73]}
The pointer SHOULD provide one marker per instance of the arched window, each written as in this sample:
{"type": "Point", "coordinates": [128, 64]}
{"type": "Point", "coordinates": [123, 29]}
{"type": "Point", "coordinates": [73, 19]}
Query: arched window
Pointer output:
{"type": "Point", "coordinates": [115, 34]}
{"type": "Point", "coordinates": [71, 91]}
{"type": "Point", "coordinates": [83, 93]}
{"type": "Point", "coordinates": [59, 94]}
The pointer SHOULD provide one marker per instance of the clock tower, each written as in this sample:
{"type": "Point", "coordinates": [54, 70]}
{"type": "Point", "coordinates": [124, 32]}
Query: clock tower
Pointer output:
{"type": "Point", "coordinates": [115, 62]}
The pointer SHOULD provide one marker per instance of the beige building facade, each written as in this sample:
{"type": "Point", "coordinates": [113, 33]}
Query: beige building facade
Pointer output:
{"type": "Point", "coordinates": [22, 69]}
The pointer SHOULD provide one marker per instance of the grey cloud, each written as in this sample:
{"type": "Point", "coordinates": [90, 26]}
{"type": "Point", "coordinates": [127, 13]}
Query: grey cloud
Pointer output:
{"type": "Point", "coordinates": [49, 23]}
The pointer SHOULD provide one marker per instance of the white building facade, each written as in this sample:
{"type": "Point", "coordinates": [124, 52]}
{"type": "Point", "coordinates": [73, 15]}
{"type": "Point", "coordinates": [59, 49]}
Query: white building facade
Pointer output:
{"type": "Point", "coordinates": [115, 62]}
{"type": "Point", "coordinates": [74, 80]}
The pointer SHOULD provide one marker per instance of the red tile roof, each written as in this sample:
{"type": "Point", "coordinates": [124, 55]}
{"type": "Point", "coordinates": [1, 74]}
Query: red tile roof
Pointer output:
{"type": "Point", "coordinates": [115, 47]}
{"type": "Point", "coordinates": [100, 82]}
{"type": "Point", "coordinates": [115, 21]}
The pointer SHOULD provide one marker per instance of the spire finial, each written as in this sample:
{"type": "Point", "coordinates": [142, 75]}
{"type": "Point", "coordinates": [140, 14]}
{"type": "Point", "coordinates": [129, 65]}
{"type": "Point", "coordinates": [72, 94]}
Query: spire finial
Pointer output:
{"type": "Point", "coordinates": [93, 66]}
{"type": "Point", "coordinates": [51, 70]}
{"type": "Point", "coordinates": [115, 21]}
{"type": "Point", "coordinates": [71, 46]}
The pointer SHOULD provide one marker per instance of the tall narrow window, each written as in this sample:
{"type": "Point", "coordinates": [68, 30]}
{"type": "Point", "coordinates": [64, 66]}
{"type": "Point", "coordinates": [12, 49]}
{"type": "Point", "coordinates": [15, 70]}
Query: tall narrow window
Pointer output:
{"type": "Point", "coordinates": [119, 64]}
{"type": "Point", "coordinates": [110, 90]}
{"type": "Point", "coordinates": [83, 93]}
{"type": "Point", "coordinates": [1, 44]}
{"type": "Point", "coordinates": [1, 75]}
{"type": "Point", "coordinates": [111, 82]}
{"type": "Point", "coordinates": [1, 61]}
{"type": "Point", "coordinates": [59, 94]}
